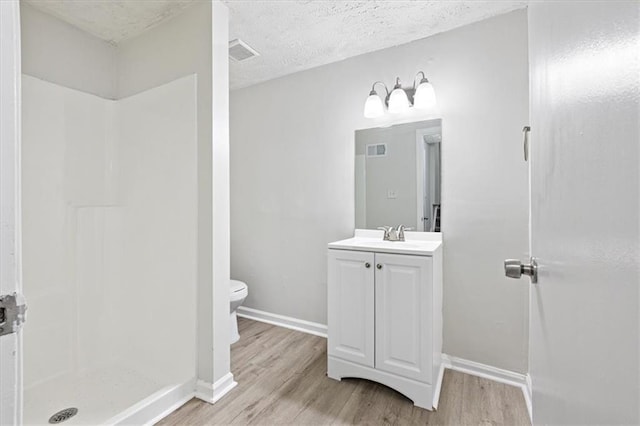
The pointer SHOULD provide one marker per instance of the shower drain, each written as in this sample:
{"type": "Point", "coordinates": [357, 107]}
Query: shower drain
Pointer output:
{"type": "Point", "coordinates": [63, 415]}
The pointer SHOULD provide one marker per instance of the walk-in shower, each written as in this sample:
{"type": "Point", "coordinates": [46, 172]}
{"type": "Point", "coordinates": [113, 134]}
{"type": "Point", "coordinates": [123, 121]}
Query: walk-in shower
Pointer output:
{"type": "Point", "coordinates": [109, 199]}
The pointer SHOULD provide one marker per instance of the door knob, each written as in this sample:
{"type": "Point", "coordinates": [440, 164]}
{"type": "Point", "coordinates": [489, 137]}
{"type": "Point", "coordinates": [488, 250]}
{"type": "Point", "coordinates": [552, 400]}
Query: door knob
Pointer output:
{"type": "Point", "coordinates": [379, 266]}
{"type": "Point", "coordinates": [367, 265]}
{"type": "Point", "coordinates": [513, 268]}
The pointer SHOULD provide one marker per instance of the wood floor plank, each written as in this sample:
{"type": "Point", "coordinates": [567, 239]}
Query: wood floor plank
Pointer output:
{"type": "Point", "coordinates": [450, 404]}
{"type": "Point", "coordinates": [327, 400]}
{"type": "Point", "coordinates": [365, 406]}
{"type": "Point", "coordinates": [282, 380]}
{"type": "Point", "coordinates": [289, 399]}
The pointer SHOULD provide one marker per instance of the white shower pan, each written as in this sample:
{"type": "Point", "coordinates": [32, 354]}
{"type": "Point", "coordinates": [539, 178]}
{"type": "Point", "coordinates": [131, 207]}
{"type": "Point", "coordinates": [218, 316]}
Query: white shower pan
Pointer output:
{"type": "Point", "coordinates": [109, 240]}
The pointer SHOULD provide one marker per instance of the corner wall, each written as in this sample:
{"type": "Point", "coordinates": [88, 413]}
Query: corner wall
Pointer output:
{"type": "Point", "coordinates": [181, 46]}
{"type": "Point", "coordinates": [60, 53]}
{"type": "Point", "coordinates": [292, 180]}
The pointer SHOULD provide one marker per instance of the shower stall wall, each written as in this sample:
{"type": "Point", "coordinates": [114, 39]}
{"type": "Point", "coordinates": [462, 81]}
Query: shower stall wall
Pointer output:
{"type": "Point", "coordinates": [109, 252]}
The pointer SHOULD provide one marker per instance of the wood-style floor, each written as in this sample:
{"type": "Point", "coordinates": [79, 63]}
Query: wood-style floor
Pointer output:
{"type": "Point", "coordinates": [281, 377]}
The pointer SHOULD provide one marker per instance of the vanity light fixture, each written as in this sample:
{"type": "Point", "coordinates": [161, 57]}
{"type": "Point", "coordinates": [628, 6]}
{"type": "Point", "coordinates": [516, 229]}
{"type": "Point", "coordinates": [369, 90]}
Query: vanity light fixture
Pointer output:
{"type": "Point", "coordinates": [425, 96]}
{"type": "Point", "coordinates": [374, 106]}
{"type": "Point", "coordinates": [400, 99]}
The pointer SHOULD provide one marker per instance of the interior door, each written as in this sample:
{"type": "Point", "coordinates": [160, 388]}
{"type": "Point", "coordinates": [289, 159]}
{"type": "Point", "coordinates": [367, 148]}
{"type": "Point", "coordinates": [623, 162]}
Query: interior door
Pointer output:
{"type": "Point", "coordinates": [351, 306]}
{"type": "Point", "coordinates": [10, 344]}
{"type": "Point", "coordinates": [584, 211]}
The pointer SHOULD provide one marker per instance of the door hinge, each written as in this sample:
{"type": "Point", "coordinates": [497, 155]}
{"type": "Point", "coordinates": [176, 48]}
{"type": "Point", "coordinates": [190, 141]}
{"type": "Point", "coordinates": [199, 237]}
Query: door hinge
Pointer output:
{"type": "Point", "coordinates": [13, 311]}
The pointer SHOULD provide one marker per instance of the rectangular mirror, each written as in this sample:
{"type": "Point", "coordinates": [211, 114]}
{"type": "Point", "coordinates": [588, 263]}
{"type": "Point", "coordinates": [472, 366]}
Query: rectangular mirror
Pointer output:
{"type": "Point", "coordinates": [398, 176]}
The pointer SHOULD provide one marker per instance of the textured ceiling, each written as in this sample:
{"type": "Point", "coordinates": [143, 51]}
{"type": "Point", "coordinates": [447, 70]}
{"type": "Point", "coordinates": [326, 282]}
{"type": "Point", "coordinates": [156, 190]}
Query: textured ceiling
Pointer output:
{"type": "Point", "coordinates": [297, 35]}
{"type": "Point", "coordinates": [290, 35]}
{"type": "Point", "coordinates": [112, 20]}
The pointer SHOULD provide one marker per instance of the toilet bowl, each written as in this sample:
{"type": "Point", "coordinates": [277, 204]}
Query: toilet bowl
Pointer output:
{"type": "Point", "coordinates": [239, 293]}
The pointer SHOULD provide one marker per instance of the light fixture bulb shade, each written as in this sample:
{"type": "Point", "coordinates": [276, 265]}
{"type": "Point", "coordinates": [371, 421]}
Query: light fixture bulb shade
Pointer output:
{"type": "Point", "coordinates": [398, 101]}
{"type": "Point", "coordinates": [425, 97]}
{"type": "Point", "coordinates": [373, 107]}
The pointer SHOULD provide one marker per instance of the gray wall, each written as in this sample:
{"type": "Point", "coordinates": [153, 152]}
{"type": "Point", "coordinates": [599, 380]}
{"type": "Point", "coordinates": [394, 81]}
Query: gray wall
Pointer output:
{"type": "Point", "coordinates": [55, 51]}
{"type": "Point", "coordinates": [292, 180]}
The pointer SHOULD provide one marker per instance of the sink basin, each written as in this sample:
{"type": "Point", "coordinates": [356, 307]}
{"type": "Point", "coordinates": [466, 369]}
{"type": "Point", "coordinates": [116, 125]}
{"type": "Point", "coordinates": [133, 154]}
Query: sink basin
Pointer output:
{"type": "Point", "coordinates": [392, 244]}
{"type": "Point", "coordinates": [418, 247]}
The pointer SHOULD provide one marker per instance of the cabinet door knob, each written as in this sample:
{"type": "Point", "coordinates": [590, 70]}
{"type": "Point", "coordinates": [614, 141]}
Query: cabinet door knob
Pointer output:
{"type": "Point", "coordinates": [379, 266]}
{"type": "Point", "coordinates": [367, 265]}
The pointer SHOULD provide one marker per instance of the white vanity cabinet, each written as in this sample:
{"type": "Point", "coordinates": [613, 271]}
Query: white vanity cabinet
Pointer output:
{"type": "Point", "coordinates": [351, 303]}
{"type": "Point", "coordinates": [385, 314]}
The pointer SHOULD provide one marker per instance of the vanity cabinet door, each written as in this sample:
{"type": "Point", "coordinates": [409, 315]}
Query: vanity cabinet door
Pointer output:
{"type": "Point", "coordinates": [351, 306]}
{"type": "Point", "coordinates": [403, 315]}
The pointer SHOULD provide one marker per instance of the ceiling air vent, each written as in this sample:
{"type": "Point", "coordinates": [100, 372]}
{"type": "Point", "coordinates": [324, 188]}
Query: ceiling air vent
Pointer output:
{"type": "Point", "coordinates": [240, 51]}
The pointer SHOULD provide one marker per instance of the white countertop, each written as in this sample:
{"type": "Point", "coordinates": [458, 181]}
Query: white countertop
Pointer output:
{"type": "Point", "coordinates": [416, 243]}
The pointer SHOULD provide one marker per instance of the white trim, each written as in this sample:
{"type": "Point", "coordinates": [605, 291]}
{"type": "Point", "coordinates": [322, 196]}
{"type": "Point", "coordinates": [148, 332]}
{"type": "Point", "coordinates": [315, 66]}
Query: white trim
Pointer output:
{"type": "Point", "coordinates": [438, 388]}
{"type": "Point", "coordinates": [424, 197]}
{"type": "Point", "coordinates": [528, 396]}
{"type": "Point", "coordinates": [421, 161]}
{"type": "Point", "coordinates": [485, 371]}
{"type": "Point", "coordinates": [523, 381]}
{"type": "Point", "coordinates": [156, 407]}
{"type": "Point", "coordinates": [11, 354]}
{"type": "Point", "coordinates": [211, 393]}
{"type": "Point", "coordinates": [283, 321]}
{"type": "Point", "coordinates": [219, 260]}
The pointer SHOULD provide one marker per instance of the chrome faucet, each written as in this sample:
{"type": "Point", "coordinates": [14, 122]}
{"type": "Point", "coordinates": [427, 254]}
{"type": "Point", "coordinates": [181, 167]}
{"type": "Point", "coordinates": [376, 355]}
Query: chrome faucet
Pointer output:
{"type": "Point", "coordinates": [391, 234]}
{"type": "Point", "coordinates": [400, 232]}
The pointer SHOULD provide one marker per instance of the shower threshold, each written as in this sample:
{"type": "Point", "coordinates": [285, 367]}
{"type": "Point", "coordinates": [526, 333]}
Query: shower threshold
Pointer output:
{"type": "Point", "coordinates": [104, 396]}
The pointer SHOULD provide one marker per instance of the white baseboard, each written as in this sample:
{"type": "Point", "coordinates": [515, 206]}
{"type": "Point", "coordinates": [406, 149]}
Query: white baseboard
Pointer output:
{"type": "Point", "coordinates": [482, 370]}
{"type": "Point", "coordinates": [213, 392]}
{"type": "Point", "coordinates": [523, 381]}
{"type": "Point", "coordinates": [283, 321]}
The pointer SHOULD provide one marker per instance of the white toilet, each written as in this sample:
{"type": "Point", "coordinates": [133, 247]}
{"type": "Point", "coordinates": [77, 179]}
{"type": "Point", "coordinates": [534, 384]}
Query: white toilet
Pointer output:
{"type": "Point", "coordinates": [239, 292]}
